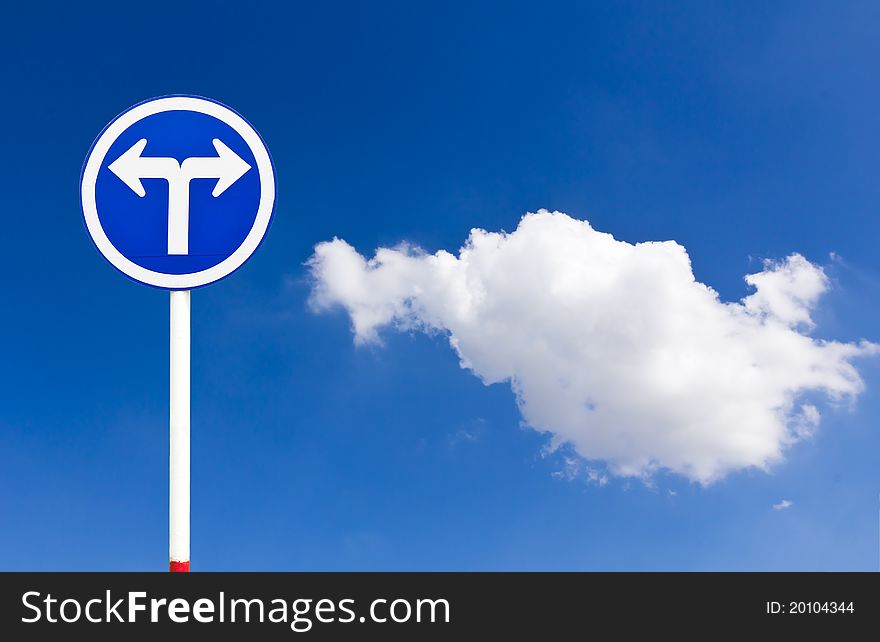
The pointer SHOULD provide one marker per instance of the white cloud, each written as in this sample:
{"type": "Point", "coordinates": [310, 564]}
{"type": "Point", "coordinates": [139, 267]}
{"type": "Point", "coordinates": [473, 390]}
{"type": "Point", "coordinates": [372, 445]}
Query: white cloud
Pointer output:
{"type": "Point", "coordinates": [787, 290]}
{"type": "Point", "coordinates": [782, 505]}
{"type": "Point", "coordinates": [571, 469]}
{"type": "Point", "coordinates": [470, 433]}
{"type": "Point", "coordinates": [597, 476]}
{"type": "Point", "coordinates": [612, 348]}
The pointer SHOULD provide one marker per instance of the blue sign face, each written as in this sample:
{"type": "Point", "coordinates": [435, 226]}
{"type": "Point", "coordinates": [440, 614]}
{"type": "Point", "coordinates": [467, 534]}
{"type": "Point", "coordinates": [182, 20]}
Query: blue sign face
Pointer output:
{"type": "Point", "coordinates": [178, 192]}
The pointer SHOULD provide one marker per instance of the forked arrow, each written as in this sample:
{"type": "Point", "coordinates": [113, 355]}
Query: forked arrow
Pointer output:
{"type": "Point", "coordinates": [227, 167]}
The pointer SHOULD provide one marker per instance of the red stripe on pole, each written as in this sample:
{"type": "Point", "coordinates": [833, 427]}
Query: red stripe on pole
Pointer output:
{"type": "Point", "coordinates": [180, 567]}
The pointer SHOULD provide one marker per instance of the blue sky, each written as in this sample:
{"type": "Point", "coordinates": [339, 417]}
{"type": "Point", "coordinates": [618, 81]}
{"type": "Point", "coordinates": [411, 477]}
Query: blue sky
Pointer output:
{"type": "Point", "coordinates": [741, 130]}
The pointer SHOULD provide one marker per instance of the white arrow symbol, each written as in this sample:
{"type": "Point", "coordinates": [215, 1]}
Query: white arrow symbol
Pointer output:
{"type": "Point", "coordinates": [227, 167]}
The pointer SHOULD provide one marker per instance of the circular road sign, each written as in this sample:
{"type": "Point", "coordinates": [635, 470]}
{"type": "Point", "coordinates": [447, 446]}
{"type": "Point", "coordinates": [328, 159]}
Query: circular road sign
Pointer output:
{"type": "Point", "coordinates": [178, 192]}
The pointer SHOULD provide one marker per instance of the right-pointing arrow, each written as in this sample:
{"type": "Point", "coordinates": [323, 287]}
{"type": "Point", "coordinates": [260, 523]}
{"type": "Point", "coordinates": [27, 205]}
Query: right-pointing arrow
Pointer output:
{"type": "Point", "coordinates": [227, 167]}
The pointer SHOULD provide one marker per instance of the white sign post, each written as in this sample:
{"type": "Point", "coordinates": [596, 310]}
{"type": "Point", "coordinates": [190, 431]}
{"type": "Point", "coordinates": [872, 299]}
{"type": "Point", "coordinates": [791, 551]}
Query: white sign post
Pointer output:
{"type": "Point", "coordinates": [178, 480]}
{"type": "Point", "coordinates": [169, 234]}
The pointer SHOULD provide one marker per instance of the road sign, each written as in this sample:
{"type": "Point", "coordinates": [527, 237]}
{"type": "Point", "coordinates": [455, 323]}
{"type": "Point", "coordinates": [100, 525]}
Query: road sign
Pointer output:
{"type": "Point", "coordinates": [178, 192]}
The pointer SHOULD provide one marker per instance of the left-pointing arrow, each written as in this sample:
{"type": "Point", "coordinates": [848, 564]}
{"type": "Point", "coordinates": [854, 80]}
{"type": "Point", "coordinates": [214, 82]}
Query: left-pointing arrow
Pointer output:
{"type": "Point", "coordinates": [131, 167]}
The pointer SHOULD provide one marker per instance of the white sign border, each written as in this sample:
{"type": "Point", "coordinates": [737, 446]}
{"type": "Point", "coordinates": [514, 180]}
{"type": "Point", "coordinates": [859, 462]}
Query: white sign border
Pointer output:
{"type": "Point", "coordinates": [264, 209]}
